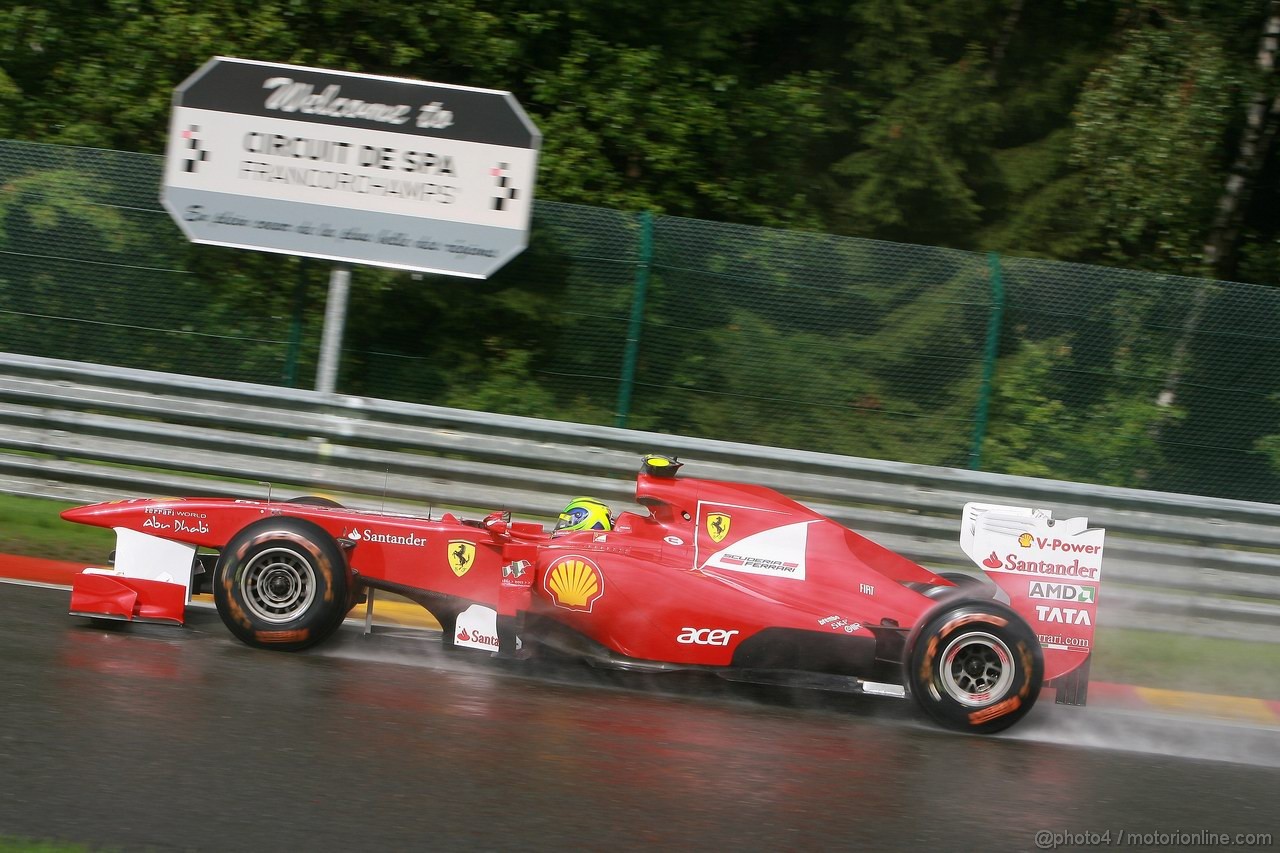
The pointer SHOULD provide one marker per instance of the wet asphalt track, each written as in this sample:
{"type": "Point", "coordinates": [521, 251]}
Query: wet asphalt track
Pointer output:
{"type": "Point", "coordinates": [176, 739]}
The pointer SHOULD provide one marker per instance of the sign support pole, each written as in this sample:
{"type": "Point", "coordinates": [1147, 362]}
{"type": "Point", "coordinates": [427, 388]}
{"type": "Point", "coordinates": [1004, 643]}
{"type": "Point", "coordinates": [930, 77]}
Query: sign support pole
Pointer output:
{"type": "Point", "coordinates": [335, 315]}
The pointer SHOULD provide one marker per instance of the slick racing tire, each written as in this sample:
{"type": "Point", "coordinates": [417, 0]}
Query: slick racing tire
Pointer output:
{"type": "Point", "coordinates": [282, 583]}
{"type": "Point", "coordinates": [963, 580]}
{"type": "Point", "coordinates": [974, 666]}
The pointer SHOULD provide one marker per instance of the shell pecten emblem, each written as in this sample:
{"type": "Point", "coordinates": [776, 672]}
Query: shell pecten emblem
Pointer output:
{"type": "Point", "coordinates": [574, 583]}
{"type": "Point", "coordinates": [462, 555]}
{"type": "Point", "coordinates": [718, 526]}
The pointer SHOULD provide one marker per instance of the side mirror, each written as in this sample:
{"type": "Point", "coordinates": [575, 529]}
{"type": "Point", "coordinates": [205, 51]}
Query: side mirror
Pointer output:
{"type": "Point", "coordinates": [498, 523]}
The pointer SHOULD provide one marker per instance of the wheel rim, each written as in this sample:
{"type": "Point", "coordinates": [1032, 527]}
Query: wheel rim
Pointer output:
{"type": "Point", "coordinates": [976, 669]}
{"type": "Point", "coordinates": [278, 585]}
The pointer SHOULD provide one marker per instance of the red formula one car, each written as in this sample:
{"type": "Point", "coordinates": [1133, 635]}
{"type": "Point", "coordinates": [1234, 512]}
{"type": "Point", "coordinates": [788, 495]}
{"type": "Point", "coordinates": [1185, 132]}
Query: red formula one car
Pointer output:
{"type": "Point", "coordinates": [731, 578]}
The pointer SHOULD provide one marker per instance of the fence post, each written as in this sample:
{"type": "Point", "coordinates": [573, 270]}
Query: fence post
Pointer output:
{"type": "Point", "coordinates": [294, 349]}
{"type": "Point", "coordinates": [988, 360]}
{"type": "Point", "coordinates": [638, 294]}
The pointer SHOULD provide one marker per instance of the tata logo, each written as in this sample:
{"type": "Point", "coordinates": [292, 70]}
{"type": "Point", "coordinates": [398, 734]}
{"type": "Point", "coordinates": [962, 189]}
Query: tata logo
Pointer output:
{"type": "Point", "coordinates": [718, 526]}
{"type": "Point", "coordinates": [705, 636]}
{"type": "Point", "coordinates": [1066, 615]}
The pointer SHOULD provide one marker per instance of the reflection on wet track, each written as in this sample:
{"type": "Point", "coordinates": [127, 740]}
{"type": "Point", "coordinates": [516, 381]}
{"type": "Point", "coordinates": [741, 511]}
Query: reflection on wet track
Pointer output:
{"type": "Point", "coordinates": [158, 738]}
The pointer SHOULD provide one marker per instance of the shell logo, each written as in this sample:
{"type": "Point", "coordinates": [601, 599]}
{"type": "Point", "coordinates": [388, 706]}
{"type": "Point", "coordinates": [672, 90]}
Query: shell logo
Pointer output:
{"type": "Point", "coordinates": [1025, 540]}
{"type": "Point", "coordinates": [574, 583]}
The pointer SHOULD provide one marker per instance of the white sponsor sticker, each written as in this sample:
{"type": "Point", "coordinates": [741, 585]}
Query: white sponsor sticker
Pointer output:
{"type": "Point", "coordinates": [778, 552]}
{"type": "Point", "coordinates": [477, 628]}
{"type": "Point", "coordinates": [1016, 540]}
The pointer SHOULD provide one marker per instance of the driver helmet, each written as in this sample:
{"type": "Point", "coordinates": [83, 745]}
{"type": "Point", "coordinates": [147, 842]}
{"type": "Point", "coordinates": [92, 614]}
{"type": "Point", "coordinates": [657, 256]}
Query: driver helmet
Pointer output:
{"type": "Point", "coordinates": [583, 514]}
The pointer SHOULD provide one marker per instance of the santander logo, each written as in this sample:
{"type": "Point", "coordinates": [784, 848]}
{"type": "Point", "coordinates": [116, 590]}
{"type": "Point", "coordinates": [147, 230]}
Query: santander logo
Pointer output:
{"type": "Point", "coordinates": [1013, 540]}
{"type": "Point", "coordinates": [475, 638]}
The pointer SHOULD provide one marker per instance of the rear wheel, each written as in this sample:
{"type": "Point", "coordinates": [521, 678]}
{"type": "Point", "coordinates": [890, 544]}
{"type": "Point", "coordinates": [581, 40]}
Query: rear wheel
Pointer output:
{"type": "Point", "coordinates": [964, 581]}
{"type": "Point", "coordinates": [967, 586]}
{"type": "Point", "coordinates": [282, 583]}
{"type": "Point", "coordinates": [974, 666]}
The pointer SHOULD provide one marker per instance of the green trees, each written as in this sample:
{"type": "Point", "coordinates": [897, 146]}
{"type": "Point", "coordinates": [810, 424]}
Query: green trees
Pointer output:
{"type": "Point", "coordinates": [1091, 130]}
{"type": "Point", "coordinates": [1127, 134]}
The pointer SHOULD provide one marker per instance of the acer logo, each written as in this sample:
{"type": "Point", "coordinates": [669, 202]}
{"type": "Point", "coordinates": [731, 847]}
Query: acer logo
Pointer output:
{"type": "Point", "coordinates": [705, 636]}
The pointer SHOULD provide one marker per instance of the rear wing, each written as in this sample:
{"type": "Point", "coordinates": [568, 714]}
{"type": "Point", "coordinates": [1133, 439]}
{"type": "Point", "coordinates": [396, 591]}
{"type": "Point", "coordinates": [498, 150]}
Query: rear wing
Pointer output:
{"type": "Point", "coordinates": [1050, 570]}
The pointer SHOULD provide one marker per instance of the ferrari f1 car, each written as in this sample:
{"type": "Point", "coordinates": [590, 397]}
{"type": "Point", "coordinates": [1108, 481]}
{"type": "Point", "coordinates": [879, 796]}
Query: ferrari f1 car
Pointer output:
{"type": "Point", "coordinates": [726, 577]}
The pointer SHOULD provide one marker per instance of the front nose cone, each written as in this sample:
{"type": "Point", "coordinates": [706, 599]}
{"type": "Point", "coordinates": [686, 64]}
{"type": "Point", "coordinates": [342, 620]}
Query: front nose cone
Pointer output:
{"type": "Point", "coordinates": [99, 515]}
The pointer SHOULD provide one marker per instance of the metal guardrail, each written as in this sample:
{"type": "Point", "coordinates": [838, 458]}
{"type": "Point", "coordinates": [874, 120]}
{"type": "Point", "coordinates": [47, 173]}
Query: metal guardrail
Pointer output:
{"type": "Point", "coordinates": [84, 432]}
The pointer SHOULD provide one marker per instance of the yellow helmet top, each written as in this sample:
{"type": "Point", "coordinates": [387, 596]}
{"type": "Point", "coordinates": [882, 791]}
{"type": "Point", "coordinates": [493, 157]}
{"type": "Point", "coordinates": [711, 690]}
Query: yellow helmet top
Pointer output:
{"type": "Point", "coordinates": [583, 514]}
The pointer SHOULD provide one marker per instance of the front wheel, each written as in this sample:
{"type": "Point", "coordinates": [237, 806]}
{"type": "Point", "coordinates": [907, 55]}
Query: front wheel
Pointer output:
{"type": "Point", "coordinates": [282, 583]}
{"type": "Point", "coordinates": [974, 666]}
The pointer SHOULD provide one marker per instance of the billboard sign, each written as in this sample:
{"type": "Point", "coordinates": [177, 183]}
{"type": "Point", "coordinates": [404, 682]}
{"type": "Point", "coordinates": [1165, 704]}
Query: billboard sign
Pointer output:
{"type": "Point", "coordinates": [351, 167]}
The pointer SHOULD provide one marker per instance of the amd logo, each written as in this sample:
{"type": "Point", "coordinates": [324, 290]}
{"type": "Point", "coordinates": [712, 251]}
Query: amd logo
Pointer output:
{"type": "Point", "coordinates": [705, 636]}
{"type": "Point", "coordinates": [1063, 592]}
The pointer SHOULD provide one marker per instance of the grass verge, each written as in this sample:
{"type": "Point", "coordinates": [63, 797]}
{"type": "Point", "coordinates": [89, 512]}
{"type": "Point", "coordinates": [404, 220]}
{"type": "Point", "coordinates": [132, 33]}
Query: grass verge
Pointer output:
{"type": "Point", "coordinates": [1182, 662]}
{"type": "Point", "coordinates": [32, 527]}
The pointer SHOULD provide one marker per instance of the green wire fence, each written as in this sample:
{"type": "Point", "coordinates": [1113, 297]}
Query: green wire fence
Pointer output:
{"type": "Point", "coordinates": [793, 339]}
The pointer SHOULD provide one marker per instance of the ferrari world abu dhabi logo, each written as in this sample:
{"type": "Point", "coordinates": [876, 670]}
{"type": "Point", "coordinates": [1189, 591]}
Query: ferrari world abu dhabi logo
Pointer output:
{"type": "Point", "coordinates": [718, 526]}
{"type": "Point", "coordinates": [462, 555]}
{"type": "Point", "coordinates": [574, 583]}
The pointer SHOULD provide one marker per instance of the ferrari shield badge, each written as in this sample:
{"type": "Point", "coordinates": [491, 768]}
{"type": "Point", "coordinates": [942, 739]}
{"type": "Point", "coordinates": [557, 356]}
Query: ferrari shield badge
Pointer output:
{"type": "Point", "coordinates": [718, 526]}
{"type": "Point", "coordinates": [462, 555]}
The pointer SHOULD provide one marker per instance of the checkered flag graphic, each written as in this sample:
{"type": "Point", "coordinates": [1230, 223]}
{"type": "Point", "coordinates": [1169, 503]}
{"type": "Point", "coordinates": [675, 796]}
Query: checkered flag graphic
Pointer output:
{"type": "Point", "coordinates": [196, 153]}
{"type": "Point", "coordinates": [505, 192]}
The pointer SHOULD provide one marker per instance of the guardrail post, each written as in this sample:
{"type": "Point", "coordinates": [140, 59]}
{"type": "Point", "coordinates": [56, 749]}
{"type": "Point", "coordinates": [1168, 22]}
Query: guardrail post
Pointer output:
{"type": "Point", "coordinates": [335, 316]}
{"type": "Point", "coordinates": [638, 294]}
{"type": "Point", "coordinates": [988, 360]}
